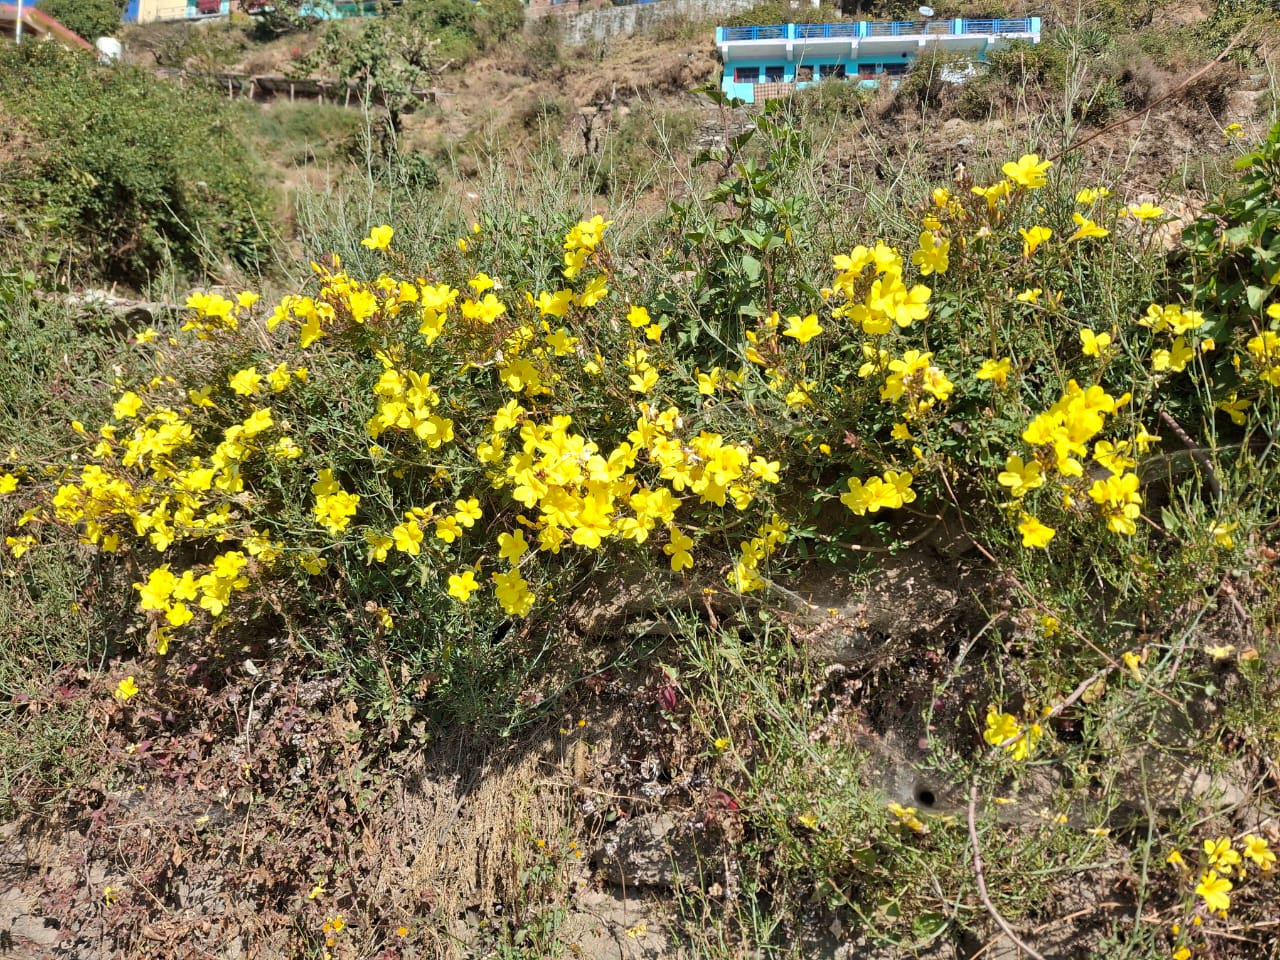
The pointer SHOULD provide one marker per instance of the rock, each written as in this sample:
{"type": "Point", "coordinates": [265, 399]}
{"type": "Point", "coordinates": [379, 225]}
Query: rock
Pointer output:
{"type": "Point", "coordinates": [22, 923]}
{"type": "Point", "coordinates": [912, 593]}
{"type": "Point", "coordinates": [607, 603]}
{"type": "Point", "coordinates": [654, 850]}
{"type": "Point", "coordinates": [1159, 771]}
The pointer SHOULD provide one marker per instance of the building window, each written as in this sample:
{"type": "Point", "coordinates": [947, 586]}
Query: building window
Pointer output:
{"type": "Point", "coordinates": [773, 74]}
{"type": "Point", "coordinates": [866, 71]}
{"type": "Point", "coordinates": [895, 69]}
{"type": "Point", "coordinates": [804, 74]}
{"type": "Point", "coordinates": [832, 70]}
{"type": "Point", "coordinates": [746, 74]}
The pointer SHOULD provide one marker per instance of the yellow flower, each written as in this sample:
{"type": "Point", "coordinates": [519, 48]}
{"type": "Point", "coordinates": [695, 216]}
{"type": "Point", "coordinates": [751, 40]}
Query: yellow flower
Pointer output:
{"type": "Point", "coordinates": [1092, 194]}
{"type": "Point", "coordinates": [1031, 239]}
{"type": "Point", "coordinates": [638, 317]}
{"type": "Point", "coordinates": [1222, 535]}
{"type": "Point", "coordinates": [1214, 889]}
{"type": "Point", "coordinates": [126, 688]}
{"type": "Point", "coordinates": [1001, 727]}
{"type": "Point", "coordinates": [644, 381]}
{"type": "Point", "coordinates": [515, 598]}
{"type": "Point", "coordinates": [1094, 344]}
{"type": "Point", "coordinates": [1030, 295]}
{"type": "Point", "coordinates": [462, 586]}
{"type": "Point", "coordinates": [1021, 477]}
{"type": "Point", "coordinates": [246, 382]}
{"type": "Point", "coordinates": [379, 238]}
{"type": "Point", "coordinates": [995, 370]}
{"type": "Point", "coordinates": [127, 407]}
{"type": "Point", "coordinates": [708, 382]}
{"type": "Point", "coordinates": [1219, 853]}
{"type": "Point", "coordinates": [1144, 211]}
{"type": "Point", "coordinates": [932, 255]}
{"type": "Point", "coordinates": [678, 550]}
{"type": "Point", "coordinates": [1258, 850]}
{"type": "Point", "coordinates": [1028, 171]}
{"type": "Point", "coordinates": [1034, 533]}
{"type": "Point", "coordinates": [804, 329]}
{"type": "Point", "coordinates": [1086, 228]}
{"type": "Point", "coordinates": [512, 546]}
{"type": "Point", "coordinates": [1132, 663]}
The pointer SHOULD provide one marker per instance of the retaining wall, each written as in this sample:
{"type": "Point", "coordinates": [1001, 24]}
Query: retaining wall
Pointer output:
{"type": "Point", "coordinates": [580, 26]}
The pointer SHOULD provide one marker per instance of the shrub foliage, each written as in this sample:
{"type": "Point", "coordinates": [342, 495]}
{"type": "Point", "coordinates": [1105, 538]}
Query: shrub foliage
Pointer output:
{"type": "Point", "coordinates": [127, 173]}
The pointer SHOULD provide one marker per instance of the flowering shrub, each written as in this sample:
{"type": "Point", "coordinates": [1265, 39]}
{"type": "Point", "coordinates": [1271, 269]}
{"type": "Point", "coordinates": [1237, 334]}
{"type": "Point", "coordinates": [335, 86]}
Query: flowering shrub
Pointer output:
{"type": "Point", "coordinates": [459, 430]}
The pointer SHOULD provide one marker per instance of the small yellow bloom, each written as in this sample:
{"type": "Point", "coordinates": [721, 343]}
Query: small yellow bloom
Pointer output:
{"type": "Point", "coordinates": [1094, 344]}
{"type": "Point", "coordinates": [461, 587]}
{"type": "Point", "coordinates": [1258, 850]}
{"type": "Point", "coordinates": [804, 329]}
{"type": "Point", "coordinates": [1086, 228]}
{"type": "Point", "coordinates": [1214, 889]}
{"type": "Point", "coordinates": [996, 371]}
{"type": "Point", "coordinates": [1033, 238]}
{"type": "Point", "coordinates": [126, 689]}
{"type": "Point", "coordinates": [1034, 533]}
{"type": "Point", "coordinates": [379, 238]}
{"type": "Point", "coordinates": [1132, 663]}
{"type": "Point", "coordinates": [1144, 211]}
{"type": "Point", "coordinates": [1028, 171]}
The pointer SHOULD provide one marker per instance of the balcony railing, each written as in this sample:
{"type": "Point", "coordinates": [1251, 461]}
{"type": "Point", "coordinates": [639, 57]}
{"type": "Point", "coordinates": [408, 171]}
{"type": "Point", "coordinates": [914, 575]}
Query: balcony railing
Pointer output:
{"type": "Point", "coordinates": [863, 28]}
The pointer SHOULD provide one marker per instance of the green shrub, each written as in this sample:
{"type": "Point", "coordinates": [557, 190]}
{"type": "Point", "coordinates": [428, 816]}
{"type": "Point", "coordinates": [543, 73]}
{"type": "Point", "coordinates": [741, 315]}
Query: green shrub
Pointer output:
{"type": "Point", "coordinates": [89, 18]}
{"type": "Point", "coordinates": [126, 174]}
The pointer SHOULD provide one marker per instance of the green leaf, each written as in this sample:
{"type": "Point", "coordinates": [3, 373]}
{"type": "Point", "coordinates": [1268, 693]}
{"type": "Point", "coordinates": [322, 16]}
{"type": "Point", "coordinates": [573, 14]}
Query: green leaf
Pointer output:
{"type": "Point", "coordinates": [751, 267]}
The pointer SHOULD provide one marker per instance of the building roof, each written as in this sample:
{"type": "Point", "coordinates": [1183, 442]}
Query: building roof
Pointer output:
{"type": "Point", "coordinates": [41, 24]}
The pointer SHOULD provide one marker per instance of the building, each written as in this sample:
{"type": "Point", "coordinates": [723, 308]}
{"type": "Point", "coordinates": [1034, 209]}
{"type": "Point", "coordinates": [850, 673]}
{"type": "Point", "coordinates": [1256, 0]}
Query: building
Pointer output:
{"type": "Point", "coordinates": [765, 62]}
{"type": "Point", "coordinates": [37, 25]}
{"type": "Point", "coordinates": [149, 11]}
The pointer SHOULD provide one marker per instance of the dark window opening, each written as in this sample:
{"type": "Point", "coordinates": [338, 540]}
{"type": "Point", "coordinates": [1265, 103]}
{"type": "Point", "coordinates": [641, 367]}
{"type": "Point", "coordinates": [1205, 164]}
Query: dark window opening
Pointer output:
{"type": "Point", "coordinates": [866, 71]}
{"type": "Point", "coordinates": [746, 74]}
{"type": "Point", "coordinates": [773, 74]}
{"type": "Point", "coordinates": [895, 69]}
{"type": "Point", "coordinates": [835, 70]}
{"type": "Point", "coordinates": [804, 74]}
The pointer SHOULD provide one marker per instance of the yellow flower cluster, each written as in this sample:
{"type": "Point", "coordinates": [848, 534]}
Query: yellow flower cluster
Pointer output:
{"type": "Point", "coordinates": [1172, 320]}
{"type": "Point", "coordinates": [1264, 355]}
{"type": "Point", "coordinates": [1060, 438]}
{"type": "Point", "coordinates": [1006, 732]}
{"type": "Point", "coordinates": [889, 492]}
{"type": "Point", "coordinates": [913, 377]}
{"type": "Point", "coordinates": [872, 292]}
{"type": "Point", "coordinates": [1221, 859]}
{"type": "Point", "coordinates": [406, 401]}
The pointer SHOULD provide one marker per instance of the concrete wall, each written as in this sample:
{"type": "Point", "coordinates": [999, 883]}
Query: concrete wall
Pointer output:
{"type": "Point", "coordinates": [624, 21]}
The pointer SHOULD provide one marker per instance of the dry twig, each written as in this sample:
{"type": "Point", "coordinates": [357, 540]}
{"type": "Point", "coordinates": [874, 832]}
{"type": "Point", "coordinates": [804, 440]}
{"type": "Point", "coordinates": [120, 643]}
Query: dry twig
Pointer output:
{"type": "Point", "coordinates": [1001, 922]}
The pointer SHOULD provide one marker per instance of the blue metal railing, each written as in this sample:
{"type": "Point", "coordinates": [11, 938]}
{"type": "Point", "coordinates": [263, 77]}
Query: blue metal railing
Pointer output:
{"type": "Point", "coordinates": [805, 31]}
{"type": "Point", "coordinates": [864, 28]}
